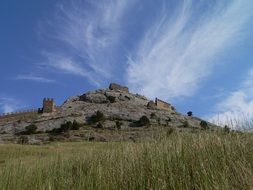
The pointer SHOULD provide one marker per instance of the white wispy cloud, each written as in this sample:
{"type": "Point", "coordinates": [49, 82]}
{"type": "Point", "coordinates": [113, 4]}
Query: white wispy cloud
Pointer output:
{"type": "Point", "coordinates": [34, 78]}
{"type": "Point", "coordinates": [236, 110]}
{"type": "Point", "coordinates": [8, 104]}
{"type": "Point", "coordinates": [90, 31]}
{"type": "Point", "coordinates": [181, 50]}
{"type": "Point", "coordinates": [65, 64]}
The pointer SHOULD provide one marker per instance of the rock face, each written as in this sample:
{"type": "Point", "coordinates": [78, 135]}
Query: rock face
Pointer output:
{"type": "Point", "coordinates": [122, 111]}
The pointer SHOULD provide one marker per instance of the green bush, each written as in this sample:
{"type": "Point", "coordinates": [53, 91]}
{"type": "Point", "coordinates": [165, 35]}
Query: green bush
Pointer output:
{"type": "Point", "coordinates": [75, 125]}
{"type": "Point", "coordinates": [186, 124]}
{"type": "Point", "coordinates": [51, 139]}
{"type": "Point", "coordinates": [226, 129]}
{"type": "Point", "coordinates": [118, 124]}
{"type": "Point", "coordinates": [99, 125]}
{"type": "Point", "coordinates": [170, 131]}
{"type": "Point", "coordinates": [153, 115]}
{"type": "Point", "coordinates": [204, 124]}
{"type": "Point", "coordinates": [189, 113]}
{"type": "Point", "coordinates": [23, 140]}
{"type": "Point", "coordinates": [98, 116]}
{"type": "Point", "coordinates": [111, 99]}
{"type": "Point", "coordinates": [30, 129]}
{"type": "Point", "coordinates": [143, 121]}
{"type": "Point", "coordinates": [66, 127]}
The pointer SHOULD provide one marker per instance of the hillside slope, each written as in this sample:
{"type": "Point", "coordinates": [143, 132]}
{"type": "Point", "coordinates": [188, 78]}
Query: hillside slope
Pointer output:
{"type": "Point", "coordinates": [121, 111]}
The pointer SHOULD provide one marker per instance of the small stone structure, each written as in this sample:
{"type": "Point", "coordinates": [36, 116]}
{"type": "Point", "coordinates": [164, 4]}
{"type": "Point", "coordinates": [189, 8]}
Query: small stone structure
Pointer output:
{"type": "Point", "coordinates": [163, 105]}
{"type": "Point", "coordinates": [114, 86]}
{"type": "Point", "coordinates": [48, 107]}
{"type": "Point", "coordinates": [151, 105]}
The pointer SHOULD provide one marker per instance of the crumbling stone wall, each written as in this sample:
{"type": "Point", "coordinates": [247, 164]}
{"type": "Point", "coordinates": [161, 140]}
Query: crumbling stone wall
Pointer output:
{"type": "Point", "coordinates": [48, 107]}
{"type": "Point", "coordinates": [114, 86]}
{"type": "Point", "coordinates": [163, 105]}
{"type": "Point", "coordinates": [15, 116]}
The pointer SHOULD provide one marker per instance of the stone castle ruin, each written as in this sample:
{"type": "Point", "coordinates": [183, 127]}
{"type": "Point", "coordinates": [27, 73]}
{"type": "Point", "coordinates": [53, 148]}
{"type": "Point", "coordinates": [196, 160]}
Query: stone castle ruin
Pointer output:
{"type": "Point", "coordinates": [163, 105]}
{"type": "Point", "coordinates": [117, 87]}
{"type": "Point", "coordinates": [48, 107]}
{"type": "Point", "coordinates": [158, 104]}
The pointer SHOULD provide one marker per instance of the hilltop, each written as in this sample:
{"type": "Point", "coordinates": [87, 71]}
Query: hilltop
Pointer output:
{"type": "Point", "coordinates": [112, 114]}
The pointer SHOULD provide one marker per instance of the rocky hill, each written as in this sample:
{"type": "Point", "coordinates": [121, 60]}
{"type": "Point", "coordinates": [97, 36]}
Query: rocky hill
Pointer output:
{"type": "Point", "coordinates": [102, 115]}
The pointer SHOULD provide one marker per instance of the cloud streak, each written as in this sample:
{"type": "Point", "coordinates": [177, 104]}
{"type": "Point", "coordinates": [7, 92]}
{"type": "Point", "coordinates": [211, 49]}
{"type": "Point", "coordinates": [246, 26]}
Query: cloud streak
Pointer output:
{"type": "Point", "coordinates": [90, 31]}
{"type": "Point", "coordinates": [8, 105]}
{"type": "Point", "coordinates": [34, 78]}
{"type": "Point", "coordinates": [236, 110]}
{"type": "Point", "coordinates": [182, 49]}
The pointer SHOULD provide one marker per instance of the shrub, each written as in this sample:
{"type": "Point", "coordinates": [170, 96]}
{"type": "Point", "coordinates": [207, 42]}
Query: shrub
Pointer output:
{"type": "Point", "coordinates": [226, 129]}
{"type": "Point", "coordinates": [118, 124]}
{"type": "Point", "coordinates": [99, 125]}
{"type": "Point", "coordinates": [66, 127]}
{"type": "Point", "coordinates": [51, 139]}
{"type": "Point", "coordinates": [98, 116]}
{"type": "Point", "coordinates": [30, 129]}
{"type": "Point", "coordinates": [23, 140]}
{"type": "Point", "coordinates": [144, 120]}
{"type": "Point", "coordinates": [168, 120]}
{"type": "Point", "coordinates": [186, 124]}
{"type": "Point", "coordinates": [159, 121]}
{"type": "Point", "coordinates": [152, 115]}
{"type": "Point", "coordinates": [189, 113]}
{"type": "Point", "coordinates": [170, 131]}
{"type": "Point", "coordinates": [54, 131]}
{"type": "Point", "coordinates": [204, 125]}
{"type": "Point", "coordinates": [75, 125]}
{"type": "Point", "coordinates": [111, 99]}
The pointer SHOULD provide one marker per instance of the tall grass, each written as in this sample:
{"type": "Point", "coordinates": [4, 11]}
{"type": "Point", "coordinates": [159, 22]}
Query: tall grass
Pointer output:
{"type": "Point", "coordinates": [180, 161]}
{"type": "Point", "coordinates": [236, 121]}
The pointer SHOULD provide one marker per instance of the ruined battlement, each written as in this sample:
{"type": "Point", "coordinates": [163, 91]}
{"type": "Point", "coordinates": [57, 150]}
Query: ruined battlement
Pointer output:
{"type": "Point", "coordinates": [114, 86]}
{"type": "Point", "coordinates": [19, 115]}
{"type": "Point", "coordinates": [160, 104]}
{"type": "Point", "coordinates": [48, 107]}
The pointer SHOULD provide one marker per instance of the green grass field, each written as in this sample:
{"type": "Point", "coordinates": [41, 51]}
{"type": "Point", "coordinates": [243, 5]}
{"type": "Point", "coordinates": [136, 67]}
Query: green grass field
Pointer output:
{"type": "Point", "coordinates": [204, 160]}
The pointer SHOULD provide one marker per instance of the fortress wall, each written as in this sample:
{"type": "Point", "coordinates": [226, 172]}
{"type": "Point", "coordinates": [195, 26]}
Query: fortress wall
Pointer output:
{"type": "Point", "coordinates": [19, 115]}
{"type": "Point", "coordinates": [163, 105]}
{"type": "Point", "coordinates": [48, 107]}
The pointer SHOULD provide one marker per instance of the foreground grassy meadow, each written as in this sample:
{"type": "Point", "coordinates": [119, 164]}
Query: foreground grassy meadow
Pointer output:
{"type": "Point", "coordinates": [204, 160]}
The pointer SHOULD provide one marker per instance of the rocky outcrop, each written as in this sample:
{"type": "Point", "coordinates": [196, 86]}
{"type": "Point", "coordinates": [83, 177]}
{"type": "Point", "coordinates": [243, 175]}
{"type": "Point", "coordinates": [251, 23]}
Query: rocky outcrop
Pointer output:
{"type": "Point", "coordinates": [94, 97]}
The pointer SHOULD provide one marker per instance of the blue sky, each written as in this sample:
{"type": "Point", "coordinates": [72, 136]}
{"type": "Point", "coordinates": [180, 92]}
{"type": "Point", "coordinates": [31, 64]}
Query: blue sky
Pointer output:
{"type": "Point", "coordinates": [195, 54]}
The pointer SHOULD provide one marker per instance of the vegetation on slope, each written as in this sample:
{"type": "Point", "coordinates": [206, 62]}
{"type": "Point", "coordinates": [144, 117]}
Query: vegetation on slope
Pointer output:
{"type": "Point", "coordinates": [204, 160]}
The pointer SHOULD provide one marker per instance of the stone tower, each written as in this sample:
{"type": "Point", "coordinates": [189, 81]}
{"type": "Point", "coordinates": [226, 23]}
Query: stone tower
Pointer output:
{"type": "Point", "coordinates": [48, 105]}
